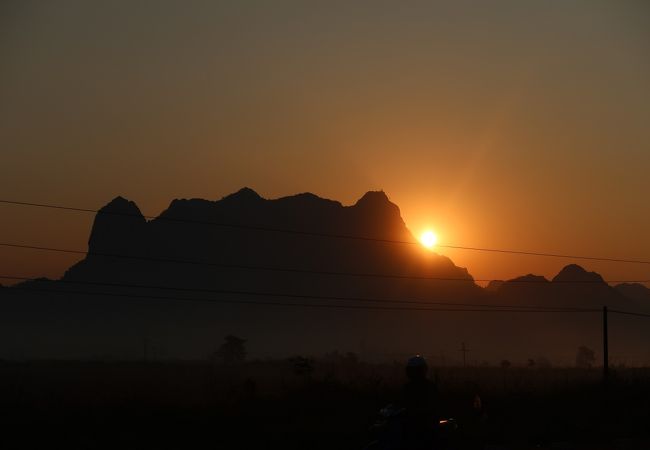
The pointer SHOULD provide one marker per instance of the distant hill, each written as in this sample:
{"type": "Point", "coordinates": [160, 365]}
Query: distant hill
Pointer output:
{"type": "Point", "coordinates": [635, 291]}
{"type": "Point", "coordinates": [202, 269]}
{"type": "Point", "coordinates": [572, 286]}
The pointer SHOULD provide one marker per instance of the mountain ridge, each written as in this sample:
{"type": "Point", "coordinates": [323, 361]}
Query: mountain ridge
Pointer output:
{"type": "Point", "coordinates": [214, 274]}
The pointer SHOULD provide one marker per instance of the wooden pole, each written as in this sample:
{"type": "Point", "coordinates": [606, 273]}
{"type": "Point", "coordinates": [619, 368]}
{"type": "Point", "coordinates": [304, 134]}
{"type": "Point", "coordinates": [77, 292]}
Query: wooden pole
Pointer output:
{"type": "Point", "coordinates": [605, 346]}
{"type": "Point", "coordinates": [464, 350]}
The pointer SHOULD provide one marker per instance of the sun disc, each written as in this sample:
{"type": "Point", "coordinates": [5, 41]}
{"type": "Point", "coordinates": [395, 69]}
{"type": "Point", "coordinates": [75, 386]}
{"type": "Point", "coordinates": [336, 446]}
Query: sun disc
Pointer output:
{"type": "Point", "coordinates": [428, 239]}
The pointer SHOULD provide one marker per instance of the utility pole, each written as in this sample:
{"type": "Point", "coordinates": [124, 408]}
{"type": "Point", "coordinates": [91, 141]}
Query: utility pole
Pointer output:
{"type": "Point", "coordinates": [464, 350]}
{"type": "Point", "coordinates": [605, 347]}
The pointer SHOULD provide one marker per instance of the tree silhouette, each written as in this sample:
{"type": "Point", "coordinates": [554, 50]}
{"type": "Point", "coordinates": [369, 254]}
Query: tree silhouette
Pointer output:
{"type": "Point", "coordinates": [302, 366]}
{"type": "Point", "coordinates": [585, 358]}
{"type": "Point", "coordinates": [232, 351]}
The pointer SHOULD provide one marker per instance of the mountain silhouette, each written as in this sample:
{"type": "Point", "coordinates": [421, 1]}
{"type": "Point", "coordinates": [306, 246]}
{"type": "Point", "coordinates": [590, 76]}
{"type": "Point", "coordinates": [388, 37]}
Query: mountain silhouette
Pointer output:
{"type": "Point", "coordinates": [217, 260]}
{"type": "Point", "coordinates": [240, 228]}
{"type": "Point", "coordinates": [572, 286]}
{"type": "Point", "coordinates": [575, 273]}
{"type": "Point", "coordinates": [635, 291]}
{"type": "Point", "coordinates": [119, 228]}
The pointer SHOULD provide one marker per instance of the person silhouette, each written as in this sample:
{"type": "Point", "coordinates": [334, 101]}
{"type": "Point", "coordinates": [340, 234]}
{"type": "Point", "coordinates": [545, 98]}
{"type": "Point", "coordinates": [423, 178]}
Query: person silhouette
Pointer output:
{"type": "Point", "coordinates": [421, 405]}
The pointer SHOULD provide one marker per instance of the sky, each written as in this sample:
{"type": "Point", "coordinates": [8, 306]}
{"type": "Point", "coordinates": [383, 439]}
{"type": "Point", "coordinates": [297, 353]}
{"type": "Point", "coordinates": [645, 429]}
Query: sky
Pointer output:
{"type": "Point", "coordinates": [505, 124]}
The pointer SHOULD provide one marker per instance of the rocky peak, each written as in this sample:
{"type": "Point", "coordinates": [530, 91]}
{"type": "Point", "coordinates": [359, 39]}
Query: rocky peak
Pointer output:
{"type": "Point", "coordinates": [374, 199]}
{"type": "Point", "coordinates": [245, 194]}
{"type": "Point", "coordinates": [574, 272]}
{"type": "Point", "coordinates": [118, 227]}
{"type": "Point", "coordinates": [376, 204]}
{"type": "Point", "coordinates": [530, 278]}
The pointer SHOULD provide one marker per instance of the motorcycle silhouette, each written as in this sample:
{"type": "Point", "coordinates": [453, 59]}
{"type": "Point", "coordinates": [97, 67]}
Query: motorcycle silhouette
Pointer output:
{"type": "Point", "coordinates": [388, 431]}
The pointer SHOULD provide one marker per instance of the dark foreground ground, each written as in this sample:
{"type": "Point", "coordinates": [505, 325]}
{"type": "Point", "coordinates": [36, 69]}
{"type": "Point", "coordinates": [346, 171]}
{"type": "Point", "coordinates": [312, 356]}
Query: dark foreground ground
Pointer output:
{"type": "Point", "coordinates": [285, 405]}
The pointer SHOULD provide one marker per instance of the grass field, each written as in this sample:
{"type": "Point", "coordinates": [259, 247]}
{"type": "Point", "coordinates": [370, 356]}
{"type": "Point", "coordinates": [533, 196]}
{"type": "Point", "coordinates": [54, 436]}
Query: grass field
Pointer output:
{"type": "Point", "coordinates": [280, 404]}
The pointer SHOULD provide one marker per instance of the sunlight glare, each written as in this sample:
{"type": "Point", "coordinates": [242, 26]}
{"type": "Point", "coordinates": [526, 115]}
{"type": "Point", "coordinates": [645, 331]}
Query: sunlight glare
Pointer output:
{"type": "Point", "coordinates": [429, 239]}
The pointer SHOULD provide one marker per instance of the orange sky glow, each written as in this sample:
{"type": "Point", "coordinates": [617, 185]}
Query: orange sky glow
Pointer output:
{"type": "Point", "coordinates": [522, 125]}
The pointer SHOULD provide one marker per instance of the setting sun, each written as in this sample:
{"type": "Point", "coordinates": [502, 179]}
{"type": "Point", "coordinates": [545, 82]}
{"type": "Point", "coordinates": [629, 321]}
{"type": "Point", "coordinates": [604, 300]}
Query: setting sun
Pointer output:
{"type": "Point", "coordinates": [428, 239]}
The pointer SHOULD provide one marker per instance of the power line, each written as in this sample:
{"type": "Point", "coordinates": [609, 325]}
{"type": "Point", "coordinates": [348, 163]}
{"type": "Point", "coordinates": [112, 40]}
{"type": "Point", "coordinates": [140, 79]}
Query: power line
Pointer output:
{"type": "Point", "coordinates": [326, 235]}
{"type": "Point", "coordinates": [307, 305]}
{"type": "Point", "coordinates": [628, 313]}
{"type": "Point", "coordinates": [551, 255]}
{"type": "Point", "coordinates": [212, 223]}
{"type": "Point", "coordinates": [296, 270]}
{"type": "Point", "coordinates": [304, 296]}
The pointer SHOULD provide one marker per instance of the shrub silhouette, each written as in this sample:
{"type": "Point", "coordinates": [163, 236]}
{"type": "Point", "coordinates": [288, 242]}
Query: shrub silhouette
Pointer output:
{"type": "Point", "coordinates": [232, 351]}
{"type": "Point", "coordinates": [585, 358]}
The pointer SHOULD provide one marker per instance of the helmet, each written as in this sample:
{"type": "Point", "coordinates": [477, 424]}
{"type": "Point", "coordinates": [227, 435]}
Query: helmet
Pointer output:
{"type": "Point", "coordinates": [416, 361]}
{"type": "Point", "coordinates": [416, 368]}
